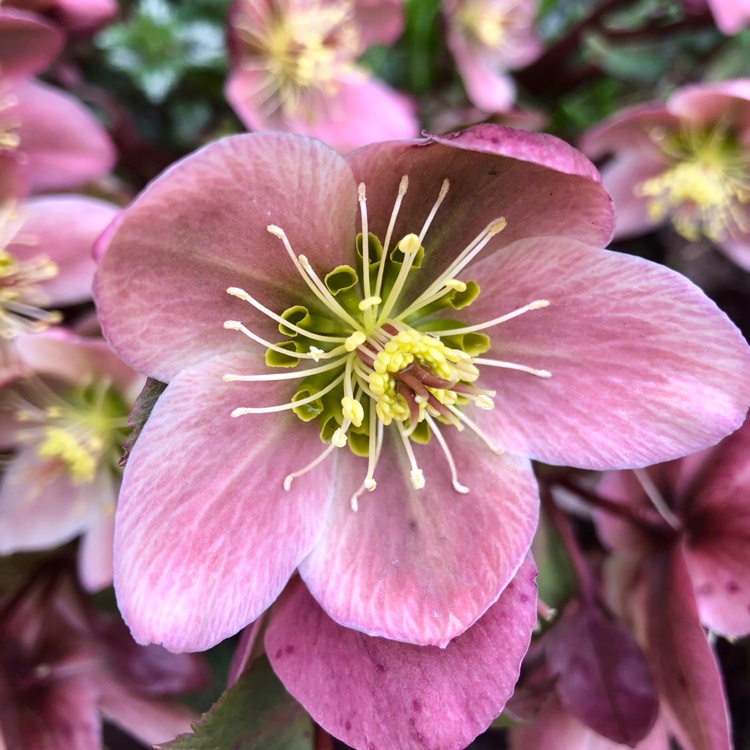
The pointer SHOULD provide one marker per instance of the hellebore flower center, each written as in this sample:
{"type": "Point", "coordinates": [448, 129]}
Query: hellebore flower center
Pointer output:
{"type": "Point", "coordinates": [303, 51]}
{"type": "Point", "coordinates": [21, 299]}
{"type": "Point", "coordinates": [705, 189]}
{"type": "Point", "coordinates": [386, 361]}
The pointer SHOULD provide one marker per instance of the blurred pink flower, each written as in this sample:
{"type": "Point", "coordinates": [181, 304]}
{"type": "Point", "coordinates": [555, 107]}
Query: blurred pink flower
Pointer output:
{"type": "Point", "coordinates": [638, 366]}
{"type": "Point", "coordinates": [731, 16]}
{"type": "Point", "coordinates": [46, 247]}
{"type": "Point", "coordinates": [64, 667]}
{"type": "Point", "coordinates": [487, 38]}
{"type": "Point", "coordinates": [294, 68]}
{"type": "Point", "coordinates": [49, 138]}
{"type": "Point", "coordinates": [66, 419]}
{"type": "Point", "coordinates": [687, 161]}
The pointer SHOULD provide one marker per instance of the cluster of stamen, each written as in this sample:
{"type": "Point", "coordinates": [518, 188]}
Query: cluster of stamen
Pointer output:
{"type": "Point", "coordinates": [485, 22]}
{"type": "Point", "coordinates": [705, 190]}
{"type": "Point", "coordinates": [22, 300]}
{"type": "Point", "coordinates": [77, 433]}
{"type": "Point", "coordinates": [382, 363]}
{"type": "Point", "coordinates": [301, 52]}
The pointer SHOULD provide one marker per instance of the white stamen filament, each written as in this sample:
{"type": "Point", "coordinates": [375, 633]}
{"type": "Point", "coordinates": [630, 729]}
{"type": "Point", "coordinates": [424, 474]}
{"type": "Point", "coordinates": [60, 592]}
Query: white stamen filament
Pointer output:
{"type": "Point", "coordinates": [293, 375]}
{"type": "Point", "coordinates": [362, 198]}
{"type": "Point", "coordinates": [512, 366]}
{"type": "Point", "coordinates": [235, 325]}
{"type": "Point", "coordinates": [291, 404]}
{"type": "Point", "coordinates": [653, 494]}
{"type": "Point", "coordinates": [416, 474]}
{"type": "Point", "coordinates": [245, 297]}
{"type": "Point", "coordinates": [441, 197]}
{"type": "Point", "coordinates": [476, 430]}
{"type": "Point", "coordinates": [289, 478]}
{"type": "Point", "coordinates": [535, 305]}
{"type": "Point", "coordinates": [457, 486]}
{"type": "Point", "coordinates": [403, 186]}
{"type": "Point", "coordinates": [311, 279]}
{"type": "Point", "coordinates": [408, 243]}
{"type": "Point", "coordinates": [373, 456]}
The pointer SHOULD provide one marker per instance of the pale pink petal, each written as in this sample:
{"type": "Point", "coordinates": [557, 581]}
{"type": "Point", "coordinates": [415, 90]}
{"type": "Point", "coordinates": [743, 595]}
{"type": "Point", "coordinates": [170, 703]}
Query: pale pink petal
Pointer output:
{"type": "Point", "coordinates": [621, 177]}
{"type": "Point", "coordinates": [86, 15]}
{"type": "Point", "coordinates": [64, 228]}
{"type": "Point", "coordinates": [148, 719]}
{"type": "Point", "coordinates": [201, 228]}
{"type": "Point", "coordinates": [62, 143]}
{"type": "Point", "coordinates": [558, 729]}
{"type": "Point", "coordinates": [717, 544]}
{"type": "Point", "coordinates": [738, 251]}
{"type": "Point", "coordinates": [644, 367]}
{"type": "Point", "coordinates": [684, 665]}
{"type": "Point", "coordinates": [731, 16]}
{"type": "Point", "coordinates": [537, 182]}
{"type": "Point", "coordinates": [705, 105]}
{"type": "Point", "coordinates": [372, 692]}
{"type": "Point", "coordinates": [378, 21]}
{"type": "Point", "coordinates": [28, 44]}
{"type": "Point", "coordinates": [206, 536]}
{"type": "Point", "coordinates": [421, 566]}
{"type": "Point", "coordinates": [78, 360]}
{"type": "Point", "coordinates": [40, 505]}
{"type": "Point", "coordinates": [95, 567]}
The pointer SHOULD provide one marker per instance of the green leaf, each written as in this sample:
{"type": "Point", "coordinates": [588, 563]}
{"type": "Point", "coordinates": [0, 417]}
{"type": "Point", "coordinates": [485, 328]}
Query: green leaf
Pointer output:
{"type": "Point", "coordinates": [255, 714]}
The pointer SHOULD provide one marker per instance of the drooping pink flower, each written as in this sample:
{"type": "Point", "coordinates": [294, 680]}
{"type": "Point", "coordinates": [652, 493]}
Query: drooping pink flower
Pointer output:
{"type": "Point", "coordinates": [595, 359]}
{"type": "Point", "coordinates": [487, 38]}
{"type": "Point", "coordinates": [45, 262]}
{"type": "Point", "coordinates": [295, 69]}
{"type": "Point", "coordinates": [686, 161]}
{"type": "Point", "coordinates": [66, 420]}
{"type": "Point", "coordinates": [65, 666]}
{"type": "Point", "coordinates": [46, 135]}
{"type": "Point", "coordinates": [731, 16]}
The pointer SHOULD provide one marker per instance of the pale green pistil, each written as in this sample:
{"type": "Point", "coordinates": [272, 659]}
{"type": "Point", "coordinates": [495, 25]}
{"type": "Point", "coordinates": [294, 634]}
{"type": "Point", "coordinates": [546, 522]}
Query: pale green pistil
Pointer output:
{"type": "Point", "coordinates": [381, 362]}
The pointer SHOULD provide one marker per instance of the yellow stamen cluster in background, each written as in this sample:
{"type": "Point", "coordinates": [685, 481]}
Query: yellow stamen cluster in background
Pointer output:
{"type": "Point", "coordinates": [706, 189]}
{"type": "Point", "coordinates": [302, 49]}
{"type": "Point", "coordinates": [484, 22]}
{"type": "Point", "coordinates": [10, 138]}
{"type": "Point", "coordinates": [77, 452]}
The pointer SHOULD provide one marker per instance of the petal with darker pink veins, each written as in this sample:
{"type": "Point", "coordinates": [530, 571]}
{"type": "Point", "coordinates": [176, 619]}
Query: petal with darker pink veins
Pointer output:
{"type": "Point", "coordinates": [201, 228]}
{"type": "Point", "coordinates": [206, 536]}
{"type": "Point", "coordinates": [644, 367]}
{"type": "Point", "coordinates": [421, 566]}
{"type": "Point", "coordinates": [378, 693]}
{"type": "Point", "coordinates": [28, 44]}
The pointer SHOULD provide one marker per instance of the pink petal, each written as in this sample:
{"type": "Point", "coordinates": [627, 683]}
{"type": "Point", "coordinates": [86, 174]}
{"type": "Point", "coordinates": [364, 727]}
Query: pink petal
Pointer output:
{"type": "Point", "coordinates": [214, 236]}
{"type": "Point", "coordinates": [64, 228]}
{"type": "Point", "coordinates": [86, 15]}
{"type": "Point", "coordinates": [538, 183]}
{"type": "Point", "coordinates": [684, 665]}
{"type": "Point", "coordinates": [62, 144]}
{"type": "Point", "coordinates": [372, 692]}
{"type": "Point", "coordinates": [421, 566]}
{"type": "Point", "coordinates": [705, 105]}
{"type": "Point", "coordinates": [644, 367]}
{"type": "Point", "coordinates": [363, 110]}
{"type": "Point", "coordinates": [41, 507]}
{"type": "Point", "coordinates": [206, 536]}
{"type": "Point", "coordinates": [731, 16]}
{"type": "Point", "coordinates": [378, 21]}
{"type": "Point", "coordinates": [28, 44]}
{"type": "Point", "coordinates": [717, 549]}
{"type": "Point", "coordinates": [95, 568]}
{"type": "Point", "coordinates": [738, 251]}
{"type": "Point", "coordinates": [149, 720]}
{"type": "Point", "coordinates": [558, 729]}
{"type": "Point", "coordinates": [621, 177]}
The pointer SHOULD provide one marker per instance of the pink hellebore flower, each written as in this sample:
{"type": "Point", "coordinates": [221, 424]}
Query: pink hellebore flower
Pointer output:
{"type": "Point", "coordinates": [687, 161]}
{"type": "Point", "coordinates": [486, 39]}
{"type": "Point", "coordinates": [362, 448]}
{"type": "Point", "coordinates": [64, 667]}
{"type": "Point", "coordinates": [66, 419]}
{"type": "Point", "coordinates": [295, 69]}
{"type": "Point", "coordinates": [45, 261]}
{"type": "Point", "coordinates": [45, 134]}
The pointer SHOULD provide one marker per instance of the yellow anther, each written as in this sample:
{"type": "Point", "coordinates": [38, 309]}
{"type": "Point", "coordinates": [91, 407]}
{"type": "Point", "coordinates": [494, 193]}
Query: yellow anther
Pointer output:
{"type": "Point", "coordinates": [78, 458]}
{"type": "Point", "coordinates": [409, 244]}
{"type": "Point", "coordinates": [459, 286]}
{"type": "Point", "coordinates": [369, 302]}
{"type": "Point", "coordinates": [352, 410]}
{"type": "Point", "coordinates": [356, 339]}
{"type": "Point", "coordinates": [339, 438]}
